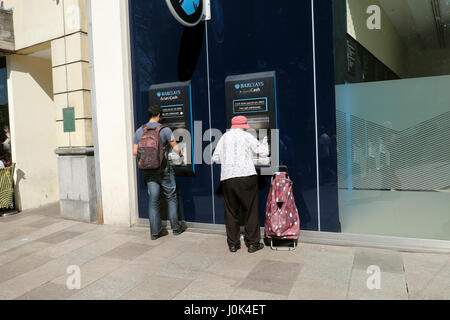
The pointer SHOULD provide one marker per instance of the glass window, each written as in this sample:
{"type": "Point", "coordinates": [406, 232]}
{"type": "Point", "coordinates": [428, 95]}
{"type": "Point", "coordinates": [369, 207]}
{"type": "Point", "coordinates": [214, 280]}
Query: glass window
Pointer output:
{"type": "Point", "coordinates": [393, 117]}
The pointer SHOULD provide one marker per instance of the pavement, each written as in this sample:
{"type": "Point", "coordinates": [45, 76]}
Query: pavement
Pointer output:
{"type": "Point", "coordinates": [43, 257]}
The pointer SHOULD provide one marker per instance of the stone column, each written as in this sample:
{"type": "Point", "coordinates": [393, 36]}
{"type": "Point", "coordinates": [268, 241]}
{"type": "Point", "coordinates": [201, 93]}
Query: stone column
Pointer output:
{"type": "Point", "coordinates": [71, 86]}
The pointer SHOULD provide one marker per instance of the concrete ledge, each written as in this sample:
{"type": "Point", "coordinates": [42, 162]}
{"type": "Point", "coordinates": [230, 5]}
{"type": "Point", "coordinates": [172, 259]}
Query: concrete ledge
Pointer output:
{"type": "Point", "coordinates": [374, 241]}
{"type": "Point", "coordinates": [77, 186]}
{"type": "Point", "coordinates": [75, 151]}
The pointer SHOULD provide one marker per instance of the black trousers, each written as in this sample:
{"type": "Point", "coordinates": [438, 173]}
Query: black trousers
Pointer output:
{"type": "Point", "coordinates": [241, 204]}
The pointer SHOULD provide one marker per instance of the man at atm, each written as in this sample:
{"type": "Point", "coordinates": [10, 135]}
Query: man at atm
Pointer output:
{"type": "Point", "coordinates": [162, 178]}
{"type": "Point", "coordinates": [239, 182]}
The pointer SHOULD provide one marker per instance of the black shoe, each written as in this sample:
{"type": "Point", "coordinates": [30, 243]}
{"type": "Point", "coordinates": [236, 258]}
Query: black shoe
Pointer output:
{"type": "Point", "coordinates": [180, 230]}
{"type": "Point", "coordinates": [161, 234]}
{"type": "Point", "coordinates": [234, 248]}
{"type": "Point", "coordinates": [255, 247]}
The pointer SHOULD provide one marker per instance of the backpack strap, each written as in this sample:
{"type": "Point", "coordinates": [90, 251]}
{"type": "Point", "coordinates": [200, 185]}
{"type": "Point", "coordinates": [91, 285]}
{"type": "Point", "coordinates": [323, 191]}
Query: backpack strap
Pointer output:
{"type": "Point", "coordinates": [146, 129]}
{"type": "Point", "coordinates": [165, 148]}
{"type": "Point", "coordinates": [160, 128]}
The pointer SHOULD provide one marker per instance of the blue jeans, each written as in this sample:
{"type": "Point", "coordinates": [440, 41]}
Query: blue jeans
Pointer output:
{"type": "Point", "coordinates": [166, 181]}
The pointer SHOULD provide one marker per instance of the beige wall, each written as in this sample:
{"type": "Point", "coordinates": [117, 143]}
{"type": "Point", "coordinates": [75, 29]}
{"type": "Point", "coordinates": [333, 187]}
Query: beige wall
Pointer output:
{"type": "Point", "coordinates": [33, 130]}
{"type": "Point", "coordinates": [385, 44]}
{"type": "Point", "coordinates": [38, 21]}
{"type": "Point", "coordinates": [114, 110]}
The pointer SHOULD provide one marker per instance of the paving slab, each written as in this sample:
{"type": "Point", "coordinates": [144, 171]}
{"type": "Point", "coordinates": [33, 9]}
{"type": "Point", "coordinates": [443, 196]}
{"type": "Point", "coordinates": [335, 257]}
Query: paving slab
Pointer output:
{"type": "Point", "coordinates": [35, 235]}
{"type": "Point", "coordinates": [59, 237]}
{"type": "Point", "coordinates": [109, 287]}
{"type": "Point", "coordinates": [386, 260]}
{"type": "Point", "coordinates": [187, 266]}
{"type": "Point", "coordinates": [437, 289]}
{"type": "Point", "coordinates": [42, 223]}
{"type": "Point", "coordinates": [37, 247]}
{"type": "Point", "coordinates": [214, 286]}
{"type": "Point", "coordinates": [392, 287]}
{"type": "Point", "coordinates": [128, 251]}
{"type": "Point", "coordinates": [134, 272]}
{"type": "Point", "coordinates": [166, 248]}
{"type": "Point", "coordinates": [20, 220]}
{"type": "Point", "coordinates": [93, 271]}
{"type": "Point", "coordinates": [93, 250]}
{"type": "Point", "coordinates": [244, 294]}
{"type": "Point", "coordinates": [157, 288]}
{"type": "Point", "coordinates": [15, 217]}
{"type": "Point", "coordinates": [236, 265]}
{"type": "Point", "coordinates": [313, 289]}
{"type": "Point", "coordinates": [272, 277]}
{"type": "Point", "coordinates": [20, 266]}
{"type": "Point", "coordinates": [332, 267]}
{"type": "Point", "coordinates": [84, 239]}
{"type": "Point", "coordinates": [56, 268]}
{"type": "Point", "coordinates": [23, 250]}
{"type": "Point", "coordinates": [14, 232]}
{"type": "Point", "coordinates": [48, 291]}
{"type": "Point", "coordinates": [299, 255]}
{"type": "Point", "coordinates": [424, 273]}
{"type": "Point", "coordinates": [18, 286]}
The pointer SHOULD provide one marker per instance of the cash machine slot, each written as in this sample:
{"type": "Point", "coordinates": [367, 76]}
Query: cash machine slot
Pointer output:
{"type": "Point", "coordinates": [176, 103]}
{"type": "Point", "coordinates": [254, 96]}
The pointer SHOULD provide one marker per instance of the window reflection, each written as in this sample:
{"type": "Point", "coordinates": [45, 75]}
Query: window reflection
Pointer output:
{"type": "Point", "coordinates": [393, 117]}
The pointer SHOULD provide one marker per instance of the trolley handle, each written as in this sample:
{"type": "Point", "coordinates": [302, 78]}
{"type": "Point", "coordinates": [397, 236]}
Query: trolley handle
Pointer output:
{"type": "Point", "coordinates": [281, 167]}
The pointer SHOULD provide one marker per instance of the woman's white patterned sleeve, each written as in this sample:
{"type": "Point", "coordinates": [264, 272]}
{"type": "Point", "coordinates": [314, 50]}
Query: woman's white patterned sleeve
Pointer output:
{"type": "Point", "coordinates": [258, 148]}
{"type": "Point", "coordinates": [217, 152]}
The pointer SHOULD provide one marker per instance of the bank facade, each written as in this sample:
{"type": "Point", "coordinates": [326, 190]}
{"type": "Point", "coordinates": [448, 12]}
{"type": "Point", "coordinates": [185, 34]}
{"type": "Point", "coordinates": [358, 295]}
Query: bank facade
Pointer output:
{"type": "Point", "coordinates": [357, 97]}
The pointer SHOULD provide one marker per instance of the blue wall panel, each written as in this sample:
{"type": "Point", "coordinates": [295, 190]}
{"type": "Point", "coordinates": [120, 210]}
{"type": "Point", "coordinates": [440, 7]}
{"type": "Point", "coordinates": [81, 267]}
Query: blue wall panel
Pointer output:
{"type": "Point", "coordinates": [164, 51]}
{"type": "Point", "coordinates": [242, 37]}
{"type": "Point", "coordinates": [257, 36]}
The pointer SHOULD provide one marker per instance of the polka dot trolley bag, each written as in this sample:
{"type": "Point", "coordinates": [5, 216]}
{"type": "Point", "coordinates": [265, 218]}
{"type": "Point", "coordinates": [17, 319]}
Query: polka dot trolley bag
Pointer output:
{"type": "Point", "coordinates": [282, 218]}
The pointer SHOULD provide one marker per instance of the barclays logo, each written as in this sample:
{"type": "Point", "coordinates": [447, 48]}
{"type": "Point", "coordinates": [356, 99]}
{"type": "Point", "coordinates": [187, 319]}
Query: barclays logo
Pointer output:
{"type": "Point", "coordinates": [168, 93]}
{"type": "Point", "coordinates": [249, 85]}
{"type": "Point", "coordinates": [189, 6]}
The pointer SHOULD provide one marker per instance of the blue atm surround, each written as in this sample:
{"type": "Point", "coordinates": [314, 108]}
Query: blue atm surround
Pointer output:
{"type": "Point", "coordinates": [245, 37]}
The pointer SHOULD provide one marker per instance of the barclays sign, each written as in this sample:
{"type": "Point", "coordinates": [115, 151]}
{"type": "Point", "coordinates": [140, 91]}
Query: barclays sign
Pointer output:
{"type": "Point", "coordinates": [249, 85]}
{"type": "Point", "coordinates": [188, 12]}
{"type": "Point", "coordinates": [168, 93]}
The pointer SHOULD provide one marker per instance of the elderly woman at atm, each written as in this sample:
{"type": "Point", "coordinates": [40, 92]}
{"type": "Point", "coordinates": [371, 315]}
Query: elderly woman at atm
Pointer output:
{"type": "Point", "coordinates": [235, 151]}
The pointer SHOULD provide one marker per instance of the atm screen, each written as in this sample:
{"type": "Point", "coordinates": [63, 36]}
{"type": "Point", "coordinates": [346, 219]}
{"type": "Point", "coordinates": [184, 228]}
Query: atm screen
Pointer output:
{"type": "Point", "coordinates": [175, 102]}
{"type": "Point", "coordinates": [254, 96]}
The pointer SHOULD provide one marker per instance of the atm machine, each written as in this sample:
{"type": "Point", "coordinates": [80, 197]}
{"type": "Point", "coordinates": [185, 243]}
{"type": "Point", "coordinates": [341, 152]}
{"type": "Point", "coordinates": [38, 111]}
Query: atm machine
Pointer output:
{"type": "Point", "coordinates": [175, 100]}
{"type": "Point", "coordinates": [254, 96]}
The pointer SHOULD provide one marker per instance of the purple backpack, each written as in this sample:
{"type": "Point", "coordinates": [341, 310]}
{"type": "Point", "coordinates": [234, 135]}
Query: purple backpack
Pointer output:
{"type": "Point", "coordinates": [150, 149]}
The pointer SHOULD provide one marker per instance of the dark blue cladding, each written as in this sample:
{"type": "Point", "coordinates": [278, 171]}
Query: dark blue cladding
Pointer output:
{"type": "Point", "coordinates": [242, 37]}
{"type": "Point", "coordinates": [164, 51]}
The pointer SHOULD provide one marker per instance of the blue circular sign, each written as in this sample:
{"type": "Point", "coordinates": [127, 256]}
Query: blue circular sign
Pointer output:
{"type": "Point", "coordinates": [187, 12]}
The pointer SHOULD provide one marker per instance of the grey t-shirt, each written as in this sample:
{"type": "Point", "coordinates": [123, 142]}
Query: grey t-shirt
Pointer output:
{"type": "Point", "coordinates": [166, 134]}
